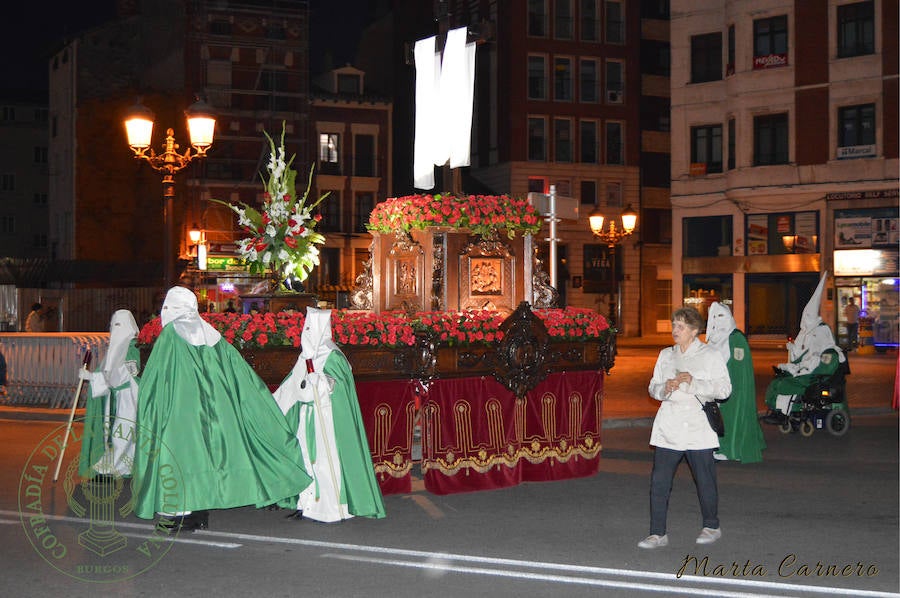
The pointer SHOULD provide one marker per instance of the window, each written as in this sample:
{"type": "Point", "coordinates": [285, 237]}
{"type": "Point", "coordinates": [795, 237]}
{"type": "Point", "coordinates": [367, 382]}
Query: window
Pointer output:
{"type": "Point", "coordinates": [656, 168]}
{"type": "Point", "coordinates": [364, 155]}
{"type": "Point", "coordinates": [562, 19]}
{"type": "Point", "coordinates": [41, 115]}
{"type": "Point", "coordinates": [588, 134]}
{"type": "Point", "coordinates": [590, 83]}
{"type": "Point", "coordinates": [590, 25]}
{"type": "Point", "coordinates": [220, 27]}
{"type": "Point", "coordinates": [348, 84]}
{"type": "Point", "coordinates": [562, 139]}
{"type": "Point", "coordinates": [732, 144]}
{"type": "Point", "coordinates": [537, 185]}
{"type": "Point", "coordinates": [537, 78]}
{"type": "Point", "coordinates": [40, 155]}
{"type": "Point", "coordinates": [365, 203]}
{"type": "Point", "coordinates": [39, 199]}
{"type": "Point", "coordinates": [39, 241]}
{"type": "Point", "coordinates": [330, 210]}
{"type": "Point", "coordinates": [656, 225]}
{"type": "Point", "coordinates": [770, 139]}
{"type": "Point", "coordinates": [9, 114]}
{"type": "Point", "coordinates": [655, 9]}
{"type": "Point", "coordinates": [8, 225]}
{"type": "Point", "coordinates": [706, 57]}
{"type": "Point", "coordinates": [329, 153]}
{"type": "Point", "coordinates": [655, 57]}
{"type": "Point", "coordinates": [272, 80]}
{"type": "Point", "coordinates": [706, 148]}
{"type": "Point", "coordinates": [537, 18]}
{"type": "Point", "coordinates": [729, 62]}
{"type": "Point", "coordinates": [615, 23]}
{"type": "Point", "coordinates": [562, 79]}
{"type": "Point", "coordinates": [856, 29]}
{"type": "Point", "coordinates": [782, 233]}
{"type": "Point", "coordinates": [614, 195]}
{"type": "Point", "coordinates": [614, 143]}
{"type": "Point", "coordinates": [707, 236]}
{"type": "Point", "coordinates": [589, 193]}
{"type": "Point", "coordinates": [856, 136]}
{"type": "Point", "coordinates": [537, 139]}
{"type": "Point", "coordinates": [8, 182]}
{"type": "Point", "coordinates": [770, 42]}
{"type": "Point", "coordinates": [615, 82]}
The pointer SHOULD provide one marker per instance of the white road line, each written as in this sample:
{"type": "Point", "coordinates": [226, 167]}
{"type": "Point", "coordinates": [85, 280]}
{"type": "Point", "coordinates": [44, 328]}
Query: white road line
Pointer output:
{"type": "Point", "coordinates": [668, 589]}
{"type": "Point", "coordinates": [199, 538]}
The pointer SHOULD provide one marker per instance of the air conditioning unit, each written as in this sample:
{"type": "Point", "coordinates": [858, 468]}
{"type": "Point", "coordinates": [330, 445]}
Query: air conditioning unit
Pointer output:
{"type": "Point", "coordinates": [613, 96]}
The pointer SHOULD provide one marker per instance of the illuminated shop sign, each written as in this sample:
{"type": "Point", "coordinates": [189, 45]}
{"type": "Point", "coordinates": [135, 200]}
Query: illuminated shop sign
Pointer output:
{"type": "Point", "coordinates": [769, 61]}
{"type": "Point", "coordinates": [865, 262]}
{"type": "Point", "coordinates": [855, 151]}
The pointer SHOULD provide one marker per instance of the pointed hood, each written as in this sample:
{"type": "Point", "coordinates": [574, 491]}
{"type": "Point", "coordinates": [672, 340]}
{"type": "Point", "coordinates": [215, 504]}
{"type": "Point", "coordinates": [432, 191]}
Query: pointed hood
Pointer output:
{"type": "Point", "coordinates": [719, 327]}
{"type": "Point", "coordinates": [180, 309]}
{"type": "Point", "coordinates": [811, 318]}
{"type": "Point", "coordinates": [316, 342]}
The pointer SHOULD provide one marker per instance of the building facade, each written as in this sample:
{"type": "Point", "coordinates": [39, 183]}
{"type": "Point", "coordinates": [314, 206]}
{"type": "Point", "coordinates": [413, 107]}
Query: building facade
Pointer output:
{"type": "Point", "coordinates": [785, 159]}
{"type": "Point", "coordinates": [23, 181]}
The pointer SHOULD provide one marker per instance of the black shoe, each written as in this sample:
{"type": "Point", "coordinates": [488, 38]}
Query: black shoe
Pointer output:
{"type": "Point", "coordinates": [184, 523]}
{"type": "Point", "coordinates": [296, 515]}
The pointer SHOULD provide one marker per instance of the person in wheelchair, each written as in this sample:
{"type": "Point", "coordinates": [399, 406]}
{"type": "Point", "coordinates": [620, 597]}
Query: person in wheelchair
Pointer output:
{"type": "Point", "coordinates": [812, 356]}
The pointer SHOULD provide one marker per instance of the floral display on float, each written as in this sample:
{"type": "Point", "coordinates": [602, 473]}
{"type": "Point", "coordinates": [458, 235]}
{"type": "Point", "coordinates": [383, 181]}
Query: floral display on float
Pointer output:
{"type": "Point", "coordinates": [484, 215]}
{"type": "Point", "coordinates": [390, 329]}
{"type": "Point", "coordinates": [282, 238]}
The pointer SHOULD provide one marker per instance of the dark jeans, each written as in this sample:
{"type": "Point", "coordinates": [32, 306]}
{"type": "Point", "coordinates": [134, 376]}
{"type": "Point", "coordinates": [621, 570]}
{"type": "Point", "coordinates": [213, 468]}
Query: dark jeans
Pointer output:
{"type": "Point", "coordinates": [703, 467]}
{"type": "Point", "coordinates": [852, 331]}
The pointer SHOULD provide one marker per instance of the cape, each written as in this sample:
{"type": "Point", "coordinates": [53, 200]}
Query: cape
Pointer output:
{"type": "Point", "coordinates": [209, 434]}
{"type": "Point", "coordinates": [358, 488]}
{"type": "Point", "coordinates": [743, 440]}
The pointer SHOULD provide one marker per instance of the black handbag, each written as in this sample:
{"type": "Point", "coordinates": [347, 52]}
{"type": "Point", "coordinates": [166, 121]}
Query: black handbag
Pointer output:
{"type": "Point", "coordinates": [713, 416]}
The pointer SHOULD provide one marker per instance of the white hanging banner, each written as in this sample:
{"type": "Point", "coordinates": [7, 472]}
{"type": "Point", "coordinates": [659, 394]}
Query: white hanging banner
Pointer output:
{"type": "Point", "coordinates": [444, 111]}
{"type": "Point", "coordinates": [428, 72]}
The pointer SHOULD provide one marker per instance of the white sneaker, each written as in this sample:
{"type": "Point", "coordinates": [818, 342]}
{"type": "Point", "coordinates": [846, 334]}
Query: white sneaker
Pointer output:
{"type": "Point", "coordinates": [709, 535]}
{"type": "Point", "coordinates": [654, 541]}
{"type": "Point", "coordinates": [719, 457]}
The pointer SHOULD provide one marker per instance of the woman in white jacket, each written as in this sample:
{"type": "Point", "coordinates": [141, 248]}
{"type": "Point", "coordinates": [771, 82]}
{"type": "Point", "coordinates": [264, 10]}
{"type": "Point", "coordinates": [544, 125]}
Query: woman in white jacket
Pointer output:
{"type": "Point", "coordinates": [686, 375]}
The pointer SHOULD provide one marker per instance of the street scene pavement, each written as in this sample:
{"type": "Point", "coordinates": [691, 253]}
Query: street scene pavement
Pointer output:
{"type": "Point", "coordinates": [818, 517]}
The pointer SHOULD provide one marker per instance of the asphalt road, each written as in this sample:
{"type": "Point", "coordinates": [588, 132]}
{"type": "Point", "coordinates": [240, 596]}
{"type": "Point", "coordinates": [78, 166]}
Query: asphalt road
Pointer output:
{"type": "Point", "coordinates": [818, 517]}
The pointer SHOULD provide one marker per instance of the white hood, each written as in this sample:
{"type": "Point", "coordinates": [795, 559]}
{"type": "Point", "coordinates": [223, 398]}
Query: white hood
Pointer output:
{"type": "Point", "coordinates": [719, 327]}
{"type": "Point", "coordinates": [180, 308]}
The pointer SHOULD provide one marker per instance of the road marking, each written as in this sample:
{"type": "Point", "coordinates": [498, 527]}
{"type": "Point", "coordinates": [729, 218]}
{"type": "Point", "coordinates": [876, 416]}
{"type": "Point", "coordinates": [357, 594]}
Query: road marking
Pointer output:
{"type": "Point", "coordinates": [440, 561]}
{"type": "Point", "coordinates": [431, 509]}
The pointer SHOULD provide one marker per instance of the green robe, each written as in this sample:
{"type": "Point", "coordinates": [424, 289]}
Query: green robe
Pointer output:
{"type": "Point", "coordinates": [358, 486]}
{"type": "Point", "coordinates": [743, 440]}
{"type": "Point", "coordinates": [210, 435]}
{"type": "Point", "coordinates": [97, 435]}
{"type": "Point", "coordinates": [829, 362]}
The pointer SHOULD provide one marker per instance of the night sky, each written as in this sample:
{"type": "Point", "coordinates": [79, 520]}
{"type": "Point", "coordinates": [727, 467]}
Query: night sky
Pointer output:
{"type": "Point", "coordinates": [31, 31]}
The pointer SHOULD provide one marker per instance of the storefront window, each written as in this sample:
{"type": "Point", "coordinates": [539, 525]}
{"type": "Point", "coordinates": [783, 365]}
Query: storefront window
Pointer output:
{"type": "Point", "coordinates": [878, 299]}
{"type": "Point", "coordinates": [700, 290]}
{"type": "Point", "coordinates": [778, 234]}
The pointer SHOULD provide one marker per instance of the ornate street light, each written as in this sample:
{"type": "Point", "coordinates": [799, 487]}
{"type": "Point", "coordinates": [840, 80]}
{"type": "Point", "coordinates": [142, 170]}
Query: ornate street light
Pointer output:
{"type": "Point", "coordinates": [201, 124]}
{"type": "Point", "coordinates": [612, 236]}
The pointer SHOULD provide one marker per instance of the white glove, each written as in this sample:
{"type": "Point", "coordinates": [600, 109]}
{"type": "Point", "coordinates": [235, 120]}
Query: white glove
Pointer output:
{"type": "Point", "coordinates": [84, 374]}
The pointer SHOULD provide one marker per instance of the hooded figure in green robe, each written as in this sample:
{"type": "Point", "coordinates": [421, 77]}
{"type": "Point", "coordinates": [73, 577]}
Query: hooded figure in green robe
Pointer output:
{"type": "Point", "coordinates": [210, 436]}
{"type": "Point", "coordinates": [108, 444]}
{"type": "Point", "coordinates": [319, 401]}
{"type": "Point", "coordinates": [743, 440]}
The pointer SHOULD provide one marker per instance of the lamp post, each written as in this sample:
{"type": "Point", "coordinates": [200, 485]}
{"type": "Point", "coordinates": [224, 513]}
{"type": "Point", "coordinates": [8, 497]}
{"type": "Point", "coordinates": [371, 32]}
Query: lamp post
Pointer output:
{"type": "Point", "coordinates": [139, 130]}
{"type": "Point", "coordinates": [612, 236]}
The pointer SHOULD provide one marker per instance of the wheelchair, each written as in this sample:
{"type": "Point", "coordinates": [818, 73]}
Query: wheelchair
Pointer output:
{"type": "Point", "coordinates": [822, 405]}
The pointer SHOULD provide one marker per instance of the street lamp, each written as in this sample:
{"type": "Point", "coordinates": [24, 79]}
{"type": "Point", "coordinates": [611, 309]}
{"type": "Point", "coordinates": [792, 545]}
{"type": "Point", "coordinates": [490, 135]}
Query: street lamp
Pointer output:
{"type": "Point", "coordinates": [612, 236]}
{"type": "Point", "coordinates": [139, 128]}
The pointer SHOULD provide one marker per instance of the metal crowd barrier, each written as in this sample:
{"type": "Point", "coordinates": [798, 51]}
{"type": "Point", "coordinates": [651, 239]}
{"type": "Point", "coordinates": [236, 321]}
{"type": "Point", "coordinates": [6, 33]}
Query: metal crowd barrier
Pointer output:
{"type": "Point", "coordinates": [41, 368]}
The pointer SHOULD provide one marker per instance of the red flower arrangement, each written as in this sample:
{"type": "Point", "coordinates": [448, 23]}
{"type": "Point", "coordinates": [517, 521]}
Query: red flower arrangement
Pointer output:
{"type": "Point", "coordinates": [389, 329]}
{"type": "Point", "coordinates": [481, 214]}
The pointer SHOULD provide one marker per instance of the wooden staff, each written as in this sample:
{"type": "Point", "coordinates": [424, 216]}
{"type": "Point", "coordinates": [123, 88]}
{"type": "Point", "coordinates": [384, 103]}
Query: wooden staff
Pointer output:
{"type": "Point", "coordinates": [85, 364]}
